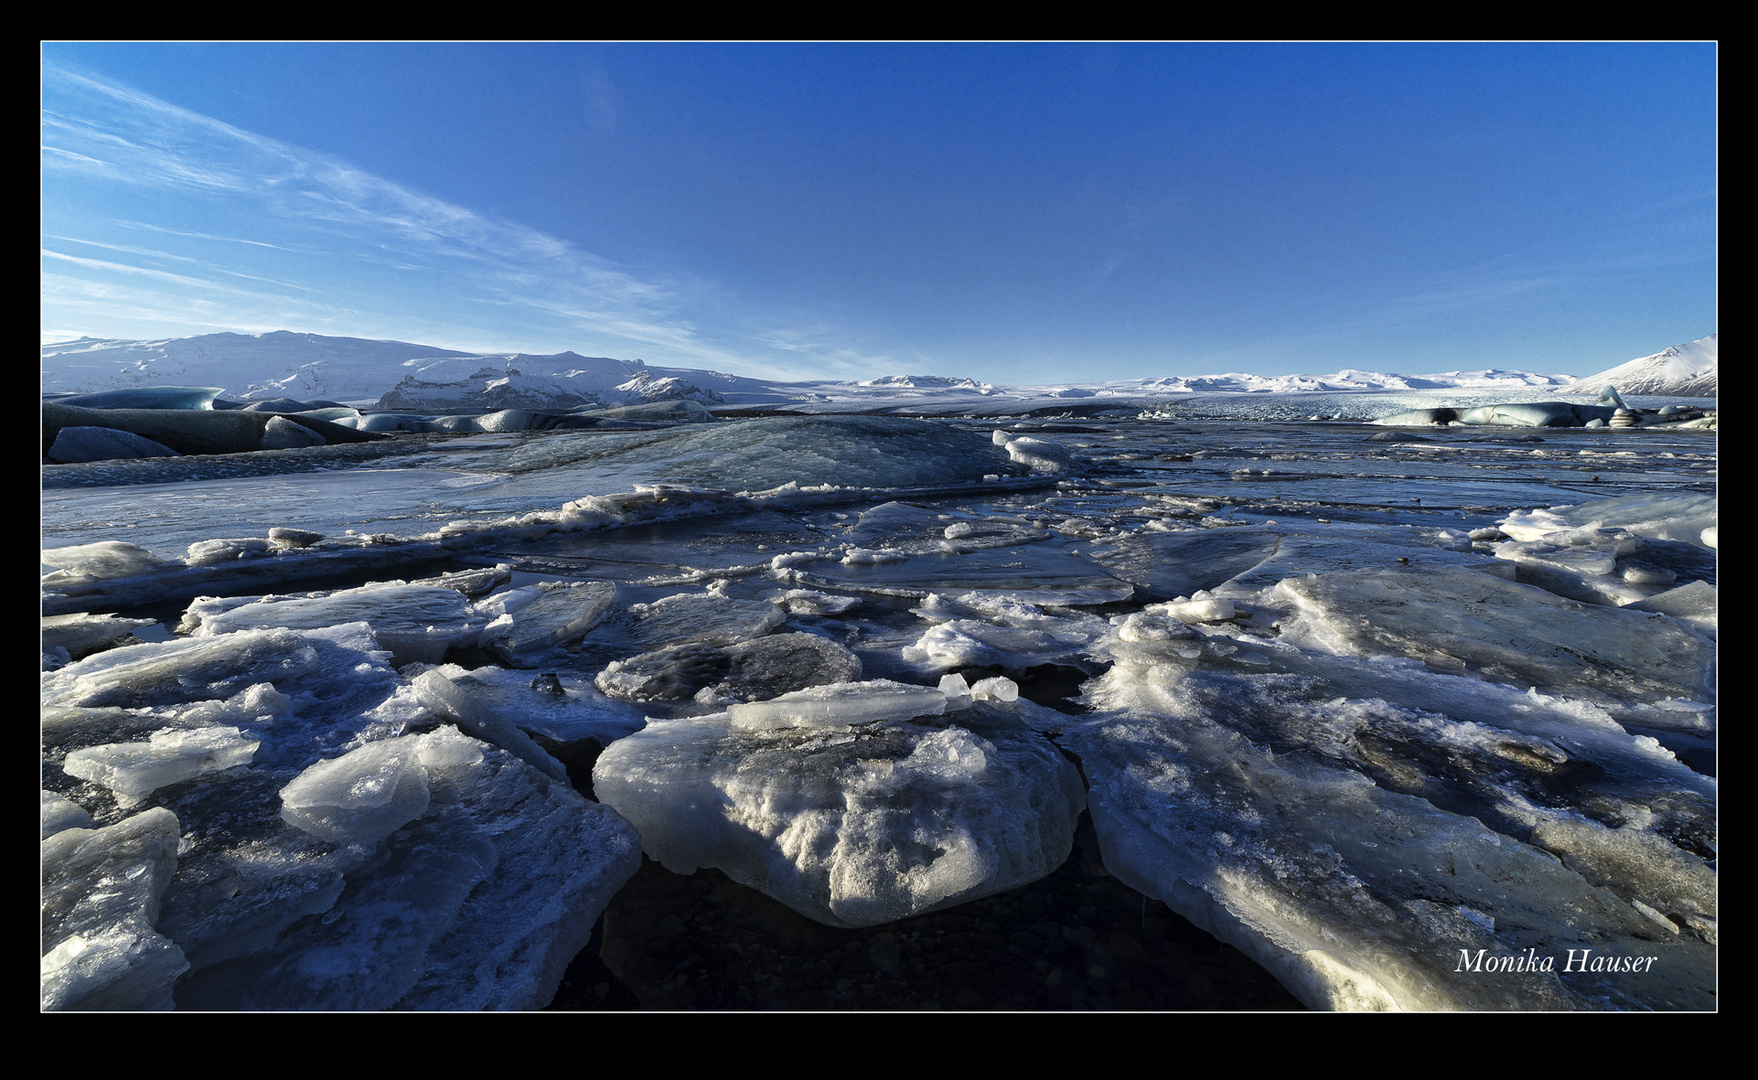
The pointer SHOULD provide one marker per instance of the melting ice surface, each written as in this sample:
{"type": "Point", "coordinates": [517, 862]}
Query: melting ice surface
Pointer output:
{"type": "Point", "coordinates": [1421, 724]}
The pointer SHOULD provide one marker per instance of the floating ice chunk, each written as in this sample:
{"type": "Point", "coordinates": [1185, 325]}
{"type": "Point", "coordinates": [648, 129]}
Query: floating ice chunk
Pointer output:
{"type": "Point", "coordinates": [1153, 624]}
{"type": "Point", "coordinates": [97, 562]}
{"type": "Point", "coordinates": [362, 796]}
{"type": "Point", "coordinates": [1041, 455]}
{"type": "Point", "coordinates": [220, 552]}
{"type": "Point", "coordinates": [996, 688]}
{"type": "Point", "coordinates": [545, 615]}
{"type": "Point", "coordinates": [478, 902]}
{"type": "Point", "coordinates": [327, 684]}
{"type": "Point", "coordinates": [1457, 620]}
{"type": "Point", "coordinates": [452, 702]}
{"type": "Point", "coordinates": [711, 620]}
{"type": "Point", "coordinates": [1584, 564]}
{"type": "Point", "coordinates": [1659, 517]}
{"type": "Point", "coordinates": [969, 643]}
{"type": "Point", "coordinates": [811, 601]}
{"type": "Point", "coordinates": [1200, 608]}
{"type": "Point", "coordinates": [472, 583]}
{"type": "Point", "coordinates": [957, 691]}
{"type": "Point", "coordinates": [417, 623]}
{"type": "Point", "coordinates": [285, 537]}
{"type": "Point", "coordinates": [840, 704]}
{"type": "Point", "coordinates": [167, 757]}
{"type": "Point", "coordinates": [59, 813]}
{"type": "Point", "coordinates": [1339, 841]}
{"type": "Point", "coordinates": [101, 894]}
{"type": "Point", "coordinates": [858, 556]}
{"type": "Point", "coordinates": [850, 829]}
{"type": "Point", "coordinates": [79, 635]}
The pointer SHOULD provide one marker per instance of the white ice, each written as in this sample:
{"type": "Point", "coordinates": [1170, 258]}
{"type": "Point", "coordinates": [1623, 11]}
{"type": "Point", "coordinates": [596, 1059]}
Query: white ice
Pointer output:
{"type": "Point", "coordinates": [844, 813]}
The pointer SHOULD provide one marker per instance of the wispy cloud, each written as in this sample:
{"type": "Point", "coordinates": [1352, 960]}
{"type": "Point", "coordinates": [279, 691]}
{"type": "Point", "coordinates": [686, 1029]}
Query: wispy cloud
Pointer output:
{"type": "Point", "coordinates": [359, 239]}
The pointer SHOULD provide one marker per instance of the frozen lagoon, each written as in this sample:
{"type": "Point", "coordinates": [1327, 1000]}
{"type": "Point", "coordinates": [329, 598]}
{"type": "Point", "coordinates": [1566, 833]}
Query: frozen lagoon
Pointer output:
{"type": "Point", "coordinates": [1315, 714]}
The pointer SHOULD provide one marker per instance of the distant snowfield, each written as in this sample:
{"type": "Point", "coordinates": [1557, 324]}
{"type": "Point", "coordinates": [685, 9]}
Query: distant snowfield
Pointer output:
{"type": "Point", "coordinates": [392, 374]}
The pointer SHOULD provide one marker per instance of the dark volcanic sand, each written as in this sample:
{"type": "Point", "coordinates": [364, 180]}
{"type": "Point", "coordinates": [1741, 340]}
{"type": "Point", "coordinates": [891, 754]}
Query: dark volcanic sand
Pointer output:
{"type": "Point", "coordinates": [1078, 939]}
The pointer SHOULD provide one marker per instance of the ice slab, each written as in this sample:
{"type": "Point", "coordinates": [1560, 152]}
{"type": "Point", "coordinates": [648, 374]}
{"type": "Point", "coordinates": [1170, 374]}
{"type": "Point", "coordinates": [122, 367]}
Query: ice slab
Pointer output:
{"type": "Point", "coordinates": [317, 689]}
{"type": "Point", "coordinates": [1439, 847]}
{"type": "Point", "coordinates": [538, 617]}
{"type": "Point", "coordinates": [167, 757]}
{"type": "Point", "coordinates": [362, 796]}
{"type": "Point", "coordinates": [428, 871]}
{"type": "Point", "coordinates": [98, 561]}
{"type": "Point", "coordinates": [77, 635]}
{"type": "Point", "coordinates": [851, 827]}
{"type": "Point", "coordinates": [754, 670]}
{"type": "Point", "coordinates": [839, 705]}
{"type": "Point", "coordinates": [58, 813]}
{"type": "Point", "coordinates": [698, 618]}
{"type": "Point", "coordinates": [101, 894]}
{"type": "Point", "coordinates": [453, 702]}
{"type": "Point", "coordinates": [1662, 517]}
{"type": "Point", "coordinates": [1460, 620]}
{"type": "Point", "coordinates": [417, 623]}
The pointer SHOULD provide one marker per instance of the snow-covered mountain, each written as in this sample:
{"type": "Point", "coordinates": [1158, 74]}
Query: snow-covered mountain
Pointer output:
{"type": "Point", "coordinates": [248, 366]}
{"type": "Point", "coordinates": [401, 375]}
{"type": "Point", "coordinates": [1687, 370]}
{"type": "Point", "coordinates": [386, 374]}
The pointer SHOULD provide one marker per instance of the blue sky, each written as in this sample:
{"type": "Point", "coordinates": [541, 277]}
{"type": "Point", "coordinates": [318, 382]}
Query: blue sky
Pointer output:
{"type": "Point", "coordinates": [1008, 212]}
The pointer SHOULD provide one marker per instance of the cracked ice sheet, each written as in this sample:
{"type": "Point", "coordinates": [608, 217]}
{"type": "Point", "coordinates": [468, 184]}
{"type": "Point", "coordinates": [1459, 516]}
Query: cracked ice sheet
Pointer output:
{"type": "Point", "coordinates": [1340, 841]}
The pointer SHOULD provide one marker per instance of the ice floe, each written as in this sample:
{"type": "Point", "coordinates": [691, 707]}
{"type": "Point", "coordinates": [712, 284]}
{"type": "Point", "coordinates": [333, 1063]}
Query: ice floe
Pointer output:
{"type": "Point", "coordinates": [1401, 721]}
{"type": "Point", "coordinates": [856, 804]}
